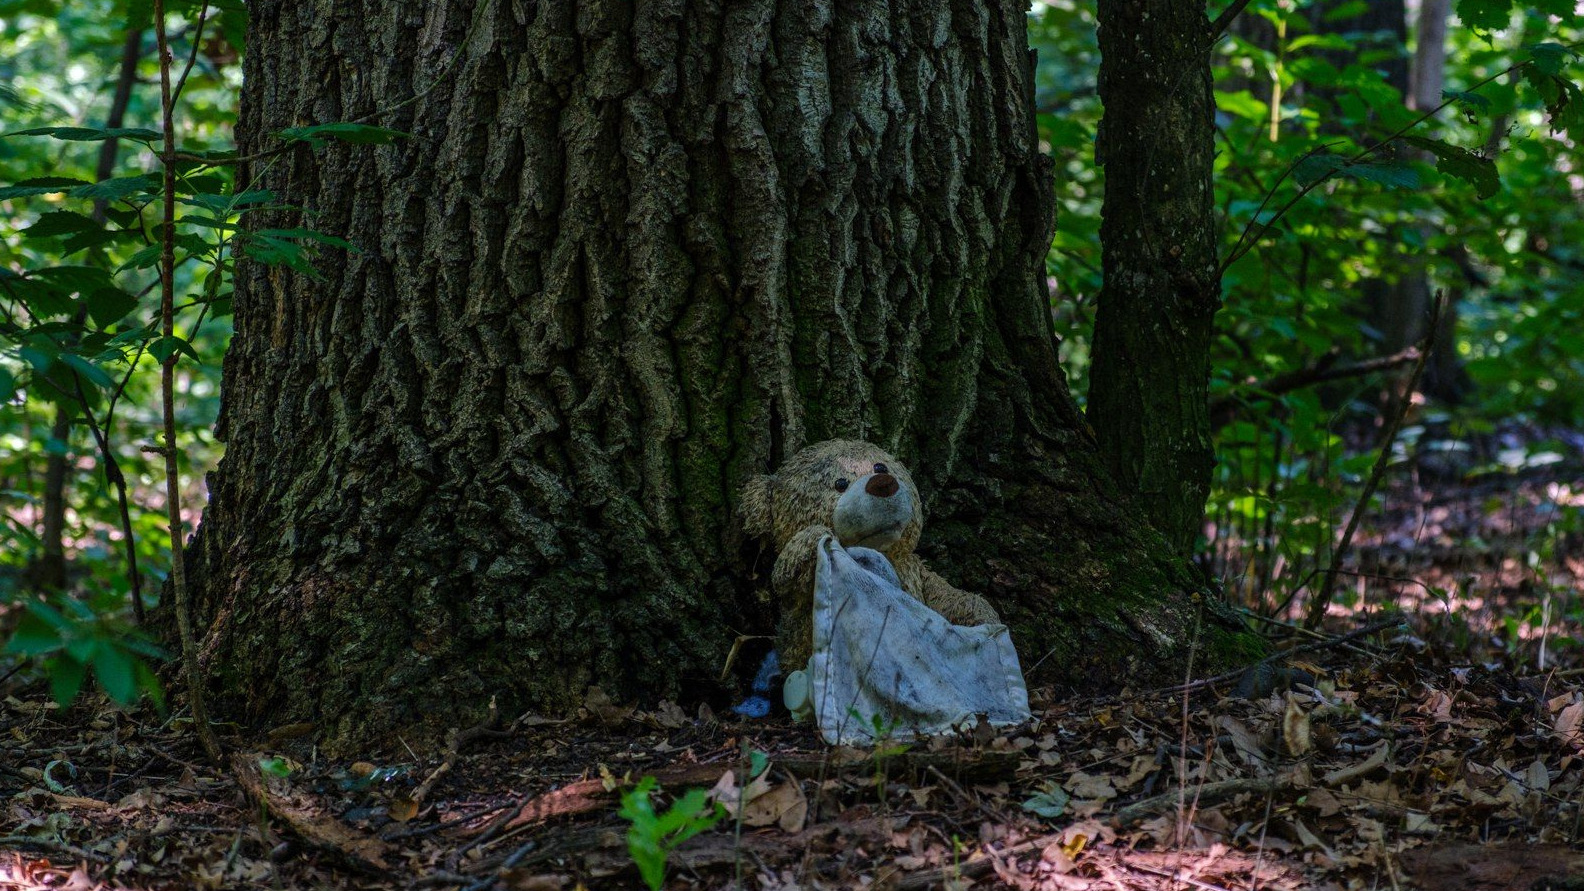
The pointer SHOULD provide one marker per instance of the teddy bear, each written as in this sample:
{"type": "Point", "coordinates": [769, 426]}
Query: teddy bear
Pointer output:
{"type": "Point", "coordinates": [863, 497]}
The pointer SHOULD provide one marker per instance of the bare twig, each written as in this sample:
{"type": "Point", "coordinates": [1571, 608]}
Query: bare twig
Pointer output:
{"type": "Point", "coordinates": [1224, 20]}
{"type": "Point", "coordinates": [1371, 628]}
{"type": "Point", "coordinates": [1325, 370]}
{"type": "Point", "coordinates": [1322, 599]}
{"type": "Point", "coordinates": [973, 867]}
{"type": "Point", "coordinates": [1209, 792]}
{"type": "Point", "coordinates": [45, 844]}
{"type": "Point", "coordinates": [192, 58]}
{"type": "Point", "coordinates": [457, 739]}
{"type": "Point", "coordinates": [114, 476]}
{"type": "Point", "coordinates": [178, 576]}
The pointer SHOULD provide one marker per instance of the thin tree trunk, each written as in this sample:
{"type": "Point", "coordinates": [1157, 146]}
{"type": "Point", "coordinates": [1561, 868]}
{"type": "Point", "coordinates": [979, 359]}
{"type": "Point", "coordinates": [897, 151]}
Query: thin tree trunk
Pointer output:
{"type": "Point", "coordinates": [50, 570]}
{"type": "Point", "coordinates": [1444, 376]}
{"type": "Point", "coordinates": [631, 255]}
{"type": "Point", "coordinates": [1149, 385]}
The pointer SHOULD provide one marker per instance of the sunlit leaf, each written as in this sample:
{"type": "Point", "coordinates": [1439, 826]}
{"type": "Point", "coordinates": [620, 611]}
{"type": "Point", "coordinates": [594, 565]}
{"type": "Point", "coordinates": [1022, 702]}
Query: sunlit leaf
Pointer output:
{"type": "Point", "coordinates": [41, 185]}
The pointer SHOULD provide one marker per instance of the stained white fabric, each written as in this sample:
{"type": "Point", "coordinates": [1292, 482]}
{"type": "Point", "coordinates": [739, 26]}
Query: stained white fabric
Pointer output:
{"type": "Point", "coordinates": [885, 666]}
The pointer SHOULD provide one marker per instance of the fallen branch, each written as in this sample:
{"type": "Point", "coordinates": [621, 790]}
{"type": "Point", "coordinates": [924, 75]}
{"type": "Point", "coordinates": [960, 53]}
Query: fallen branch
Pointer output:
{"type": "Point", "coordinates": [310, 823]}
{"type": "Point", "coordinates": [455, 740]}
{"type": "Point", "coordinates": [1208, 793]}
{"type": "Point", "coordinates": [47, 844]}
{"type": "Point", "coordinates": [973, 867]}
{"type": "Point", "coordinates": [1223, 410]}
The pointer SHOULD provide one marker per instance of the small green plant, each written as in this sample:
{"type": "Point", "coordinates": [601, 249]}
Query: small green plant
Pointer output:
{"type": "Point", "coordinates": [885, 748]}
{"type": "Point", "coordinates": [72, 637]}
{"type": "Point", "coordinates": [653, 836]}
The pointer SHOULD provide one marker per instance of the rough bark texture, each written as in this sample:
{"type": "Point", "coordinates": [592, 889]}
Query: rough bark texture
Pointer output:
{"type": "Point", "coordinates": [1149, 385]}
{"type": "Point", "coordinates": [632, 254]}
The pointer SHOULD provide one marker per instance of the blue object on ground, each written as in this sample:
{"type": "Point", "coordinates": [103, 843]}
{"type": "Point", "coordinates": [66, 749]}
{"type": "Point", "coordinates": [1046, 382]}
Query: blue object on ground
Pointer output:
{"type": "Point", "coordinates": [758, 704]}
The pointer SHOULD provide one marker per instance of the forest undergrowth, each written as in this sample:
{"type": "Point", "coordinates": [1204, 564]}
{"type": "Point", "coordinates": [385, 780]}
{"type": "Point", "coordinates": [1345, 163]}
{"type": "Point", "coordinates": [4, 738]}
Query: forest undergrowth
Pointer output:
{"type": "Point", "coordinates": [1439, 708]}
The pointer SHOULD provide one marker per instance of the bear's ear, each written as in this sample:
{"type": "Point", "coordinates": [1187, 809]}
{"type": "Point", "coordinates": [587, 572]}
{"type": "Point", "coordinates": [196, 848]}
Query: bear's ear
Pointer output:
{"type": "Point", "coordinates": [756, 504]}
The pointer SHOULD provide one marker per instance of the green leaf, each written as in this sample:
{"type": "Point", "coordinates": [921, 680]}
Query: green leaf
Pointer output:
{"type": "Point", "coordinates": [8, 385]}
{"type": "Point", "coordinates": [43, 185]}
{"type": "Point", "coordinates": [357, 134]}
{"type": "Point", "coordinates": [150, 683]}
{"type": "Point", "coordinates": [275, 766]}
{"type": "Point", "coordinates": [165, 347]}
{"type": "Point", "coordinates": [89, 134]}
{"type": "Point", "coordinates": [117, 188]}
{"type": "Point", "coordinates": [84, 240]}
{"type": "Point", "coordinates": [1460, 163]}
{"type": "Point", "coordinates": [1317, 167]}
{"type": "Point", "coordinates": [66, 679]}
{"type": "Point", "coordinates": [61, 222]}
{"type": "Point", "coordinates": [106, 306]}
{"type": "Point", "coordinates": [310, 235]}
{"type": "Point", "coordinates": [75, 279]}
{"type": "Point", "coordinates": [1469, 100]}
{"type": "Point", "coordinates": [217, 203]}
{"type": "Point", "coordinates": [116, 673]}
{"type": "Point", "coordinates": [1485, 15]}
{"type": "Point", "coordinates": [33, 636]}
{"type": "Point", "coordinates": [145, 258]}
{"type": "Point", "coordinates": [1050, 803]}
{"type": "Point", "coordinates": [1549, 57]}
{"type": "Point", "coordinates": [279, 252]}
{"type": "Point", "coordinates": [1351, 9]}
{"type": "Point", "coordinates": [1391, 174]}
{"type": "Point", "coordinates": [89, 371]}
{"type": "Point", "coordinates": [1243, 104]}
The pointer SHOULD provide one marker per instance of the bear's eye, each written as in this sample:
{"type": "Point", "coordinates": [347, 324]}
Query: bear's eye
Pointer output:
{"type": "Point", "coordinates": [881, 468]}
{"type": "Point", "coordinates": [841, 484]}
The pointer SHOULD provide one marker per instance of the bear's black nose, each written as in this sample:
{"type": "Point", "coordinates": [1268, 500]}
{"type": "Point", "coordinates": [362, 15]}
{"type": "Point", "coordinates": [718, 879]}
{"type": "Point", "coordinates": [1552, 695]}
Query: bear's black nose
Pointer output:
{"type": "Point", "coordinates": [882, 485]}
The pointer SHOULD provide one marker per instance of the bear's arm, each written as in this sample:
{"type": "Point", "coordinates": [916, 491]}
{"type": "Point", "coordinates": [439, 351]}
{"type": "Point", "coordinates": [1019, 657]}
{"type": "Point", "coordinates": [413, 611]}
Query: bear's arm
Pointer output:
{"type": "Point", "coordinates": [958, 606]}
{"type": "Point", "coordinates": [792, 579]}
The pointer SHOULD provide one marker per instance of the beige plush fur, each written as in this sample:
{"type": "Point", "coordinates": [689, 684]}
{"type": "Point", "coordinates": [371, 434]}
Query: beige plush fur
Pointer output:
{"type": "Point", "coordinates": [794, 507]}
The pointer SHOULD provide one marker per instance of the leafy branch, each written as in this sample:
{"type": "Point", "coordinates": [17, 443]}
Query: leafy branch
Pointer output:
{"type": "Point", "coordinates": [1458, 162]}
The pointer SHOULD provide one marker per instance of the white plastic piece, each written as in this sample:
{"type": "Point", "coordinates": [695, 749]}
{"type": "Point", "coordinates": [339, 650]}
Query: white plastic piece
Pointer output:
{"type": "Point", "coordinates": [795, 693]}
{"type": "Point", "coordinates": [887, 667]}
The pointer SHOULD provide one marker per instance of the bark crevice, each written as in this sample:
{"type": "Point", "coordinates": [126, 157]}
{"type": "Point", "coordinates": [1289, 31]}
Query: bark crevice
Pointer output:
{"type": "Point", "coordinates": [633, 255]}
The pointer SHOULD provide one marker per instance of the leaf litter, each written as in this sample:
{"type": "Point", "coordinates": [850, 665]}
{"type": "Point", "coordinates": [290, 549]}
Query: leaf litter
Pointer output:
{"type": "Point", "coordinates": [1402, 758]}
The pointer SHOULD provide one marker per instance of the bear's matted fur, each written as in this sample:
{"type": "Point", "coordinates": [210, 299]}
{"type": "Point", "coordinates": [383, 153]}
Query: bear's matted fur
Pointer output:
{"type": "Point", "coordinates": [797, 506]}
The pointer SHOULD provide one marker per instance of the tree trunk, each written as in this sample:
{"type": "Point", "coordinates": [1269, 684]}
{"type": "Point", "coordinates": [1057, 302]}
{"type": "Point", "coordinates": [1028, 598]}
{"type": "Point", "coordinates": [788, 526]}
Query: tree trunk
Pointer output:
{"type": "Point", "coordinates": [632, 254]}
{"type": "Point", "coordinates": [1149, 385]}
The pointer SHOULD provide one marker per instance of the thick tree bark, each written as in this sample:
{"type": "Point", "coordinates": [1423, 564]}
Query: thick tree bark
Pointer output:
{"type": "Point", "coordinates": [632, 254]}
{"type": "Point", "coordinates": [1149, 385]}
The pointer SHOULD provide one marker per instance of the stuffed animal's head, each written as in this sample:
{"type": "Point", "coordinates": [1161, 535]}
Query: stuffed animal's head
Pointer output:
{"type": "Point", "coordinates": [862, 493]}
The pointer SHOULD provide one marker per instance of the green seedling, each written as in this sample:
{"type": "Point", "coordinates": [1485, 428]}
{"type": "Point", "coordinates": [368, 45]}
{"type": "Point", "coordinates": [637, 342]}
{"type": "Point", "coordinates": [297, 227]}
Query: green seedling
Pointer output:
{"type": "Point", "coordinates": [652, 836]}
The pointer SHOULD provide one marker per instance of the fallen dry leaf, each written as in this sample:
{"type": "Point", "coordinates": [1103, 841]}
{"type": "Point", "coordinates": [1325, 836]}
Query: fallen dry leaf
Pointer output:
{"type": "Point", "coordinates": [783, 805]}
{"type": "Point", "coordinates": [1083, 785]}
{"type": "Point", "coordinates": [1566, 726]}
{"type": "Point", "coordinates": [403, 809]}
{"type": "Point", "coordinates": [1295, 728]}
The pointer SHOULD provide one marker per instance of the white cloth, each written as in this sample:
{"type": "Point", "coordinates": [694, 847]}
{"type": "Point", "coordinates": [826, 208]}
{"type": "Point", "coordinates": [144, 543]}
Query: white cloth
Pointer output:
{"type": "Point", "coordinates": [885, 666]}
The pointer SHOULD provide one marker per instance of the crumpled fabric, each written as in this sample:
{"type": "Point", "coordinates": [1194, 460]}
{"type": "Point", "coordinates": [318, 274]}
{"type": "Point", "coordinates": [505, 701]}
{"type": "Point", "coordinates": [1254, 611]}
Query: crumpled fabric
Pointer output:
{"type": "Point", "coordinates": [887, 667]}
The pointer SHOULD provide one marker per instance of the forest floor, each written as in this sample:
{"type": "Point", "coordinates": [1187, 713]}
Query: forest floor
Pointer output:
{"type": "Point", "coordinates": [1429, 752]}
